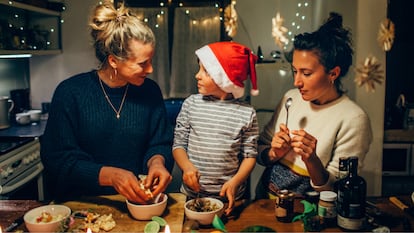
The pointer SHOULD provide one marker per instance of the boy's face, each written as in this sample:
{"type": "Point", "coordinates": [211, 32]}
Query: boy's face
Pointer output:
{"type": "Point", "coordinates": [206, 85]}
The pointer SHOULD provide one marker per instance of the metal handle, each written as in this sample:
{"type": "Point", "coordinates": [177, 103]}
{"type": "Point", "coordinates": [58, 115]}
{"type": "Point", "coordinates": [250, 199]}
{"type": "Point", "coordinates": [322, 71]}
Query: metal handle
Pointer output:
{"type": "Point", "coordinates": [11, 105]}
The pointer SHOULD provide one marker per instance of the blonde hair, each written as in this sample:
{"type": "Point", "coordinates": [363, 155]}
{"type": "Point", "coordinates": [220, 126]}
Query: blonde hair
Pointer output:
{"type": "Point", "coordinates": [112, 29]}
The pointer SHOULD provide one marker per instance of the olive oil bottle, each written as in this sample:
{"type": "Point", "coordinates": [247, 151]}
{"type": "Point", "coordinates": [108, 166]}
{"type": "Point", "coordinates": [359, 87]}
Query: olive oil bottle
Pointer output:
{"type": "Point", "coordinates": [352, 191]}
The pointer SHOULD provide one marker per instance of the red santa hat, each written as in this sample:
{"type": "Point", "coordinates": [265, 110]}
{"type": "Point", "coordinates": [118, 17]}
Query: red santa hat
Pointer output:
{"type": "Point", "coordinates": [229, 64]}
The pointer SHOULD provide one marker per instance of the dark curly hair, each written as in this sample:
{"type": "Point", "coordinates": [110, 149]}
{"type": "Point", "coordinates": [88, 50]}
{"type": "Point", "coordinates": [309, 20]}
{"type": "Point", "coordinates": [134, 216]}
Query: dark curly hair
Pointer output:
{"type": "Point", "coordinates": [332, 43]}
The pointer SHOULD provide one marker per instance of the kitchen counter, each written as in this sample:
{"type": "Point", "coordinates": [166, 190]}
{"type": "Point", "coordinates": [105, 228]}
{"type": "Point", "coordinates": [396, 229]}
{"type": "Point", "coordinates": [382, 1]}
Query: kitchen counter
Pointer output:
{"type": "Point", "coordinates": [112, 204]}
{"type": "Point", "coordinates": [30, 130]}
{"type": "Point", "coordinates": [250, 213]}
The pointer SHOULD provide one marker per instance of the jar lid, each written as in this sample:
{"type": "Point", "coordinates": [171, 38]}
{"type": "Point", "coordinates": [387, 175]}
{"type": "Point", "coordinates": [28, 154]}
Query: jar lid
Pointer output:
{"type": "Point", "coordinates": [327, 196]}
{"type": "Point", "coordinates": [312, 194]}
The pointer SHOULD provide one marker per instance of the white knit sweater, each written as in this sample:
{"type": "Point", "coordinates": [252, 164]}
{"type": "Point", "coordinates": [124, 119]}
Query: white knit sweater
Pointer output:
{"type": "Point", "coordinates": [341, 128]}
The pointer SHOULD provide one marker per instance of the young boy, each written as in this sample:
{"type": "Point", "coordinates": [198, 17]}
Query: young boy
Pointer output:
{"type": "Point", "coordinates": [215, 139]}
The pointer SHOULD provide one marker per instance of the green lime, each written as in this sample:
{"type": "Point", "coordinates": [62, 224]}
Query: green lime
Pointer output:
{"type": "Point", "coordinates": [159, 220]}
{"type": "Point", "coordinates": [152, 227]}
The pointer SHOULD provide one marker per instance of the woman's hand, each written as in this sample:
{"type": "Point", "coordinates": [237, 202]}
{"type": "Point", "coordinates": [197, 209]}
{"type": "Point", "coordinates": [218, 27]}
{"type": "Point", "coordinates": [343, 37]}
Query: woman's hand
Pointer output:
{"type": "Point", "coordinates": [304, 144]}
{"type": "Point", "coordinates": [158, 177]}
{"type": "Point", "coordinates": [124, 182]}
{"type": "Point", "coordinates": [280, 144]}
{"type": "Point", "coordinates": [191, 177]}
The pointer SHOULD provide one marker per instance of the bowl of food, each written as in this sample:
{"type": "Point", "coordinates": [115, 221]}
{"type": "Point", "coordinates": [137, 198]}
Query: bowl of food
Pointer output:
{"type": "Point", "coordinates": [46, 218]}
{"type": "Point", "coordinates": [147, 211]}
{"type": "Point", "coordinates": [203, 209]}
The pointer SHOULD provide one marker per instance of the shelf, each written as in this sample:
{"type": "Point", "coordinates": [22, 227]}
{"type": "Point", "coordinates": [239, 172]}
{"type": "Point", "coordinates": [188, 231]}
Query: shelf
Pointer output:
{"type": "Point", "coordinates": [31, 52]}
{"type": "Point", "coordinates": [399, 135]}
{"type": "Point", "coordinates": [28, 29]}
{"type": "Point", "coordinates": [28, 7]}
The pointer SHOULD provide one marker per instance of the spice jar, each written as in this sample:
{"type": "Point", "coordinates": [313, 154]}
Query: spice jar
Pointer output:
{"type": "Point", "coordinates": [312, 197]}
{"type": "Point", "coordinates": [327, 208]}
{"type": "Point", "coordinates": [284, 205]}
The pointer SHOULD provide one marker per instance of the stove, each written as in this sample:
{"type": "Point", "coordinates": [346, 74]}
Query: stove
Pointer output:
{"type": "Point", "coordinates": [19, 164]}
{"type": "Point", "coordinates": [7, 144]}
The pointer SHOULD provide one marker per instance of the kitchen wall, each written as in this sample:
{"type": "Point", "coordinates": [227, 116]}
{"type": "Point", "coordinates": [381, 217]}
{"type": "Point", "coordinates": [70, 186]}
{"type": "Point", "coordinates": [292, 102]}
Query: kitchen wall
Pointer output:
{"type": "Point", "coordinates": [14, 74]}
{"type": "Point", "coordinates": [363, 17]}
{"type": "Point", "coordinates": [78, 56]}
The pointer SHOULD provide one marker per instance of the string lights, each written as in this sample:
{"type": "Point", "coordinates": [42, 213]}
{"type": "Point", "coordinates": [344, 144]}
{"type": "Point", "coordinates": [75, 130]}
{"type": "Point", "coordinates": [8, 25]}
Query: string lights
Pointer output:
{"type": "Point", "coordinates": [284, 36]}
{"type": "Point", "coordinates": [33, 37]}
{"type": "Point", "coordinates": [157, 19]}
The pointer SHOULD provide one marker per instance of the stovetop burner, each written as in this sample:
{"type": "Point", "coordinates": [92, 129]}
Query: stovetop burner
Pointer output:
{"type": "Point", "coordinates": [8, 144]}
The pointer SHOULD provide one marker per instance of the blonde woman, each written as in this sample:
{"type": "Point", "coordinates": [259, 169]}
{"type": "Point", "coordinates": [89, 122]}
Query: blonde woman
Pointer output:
{"type": "Point", "coordinates": [109, 125]}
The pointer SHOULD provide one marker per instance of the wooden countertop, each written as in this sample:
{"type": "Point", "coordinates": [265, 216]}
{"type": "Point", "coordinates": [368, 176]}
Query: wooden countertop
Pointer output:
{"type": "Point", "coordinates": [261, 212]}
{"type": "Point", "coordinates": [115, 205]}
{"type": "Point", "coordinates": [257, 212]}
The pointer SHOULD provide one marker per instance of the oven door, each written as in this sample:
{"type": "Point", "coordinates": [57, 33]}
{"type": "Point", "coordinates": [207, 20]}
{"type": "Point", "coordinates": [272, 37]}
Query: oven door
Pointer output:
{"type": "Point", "coordinates": [35, 172]}
{"type": "Point", "coordinates": [396, 159]}
{"type": "Point", "coordinates": [20, 170]}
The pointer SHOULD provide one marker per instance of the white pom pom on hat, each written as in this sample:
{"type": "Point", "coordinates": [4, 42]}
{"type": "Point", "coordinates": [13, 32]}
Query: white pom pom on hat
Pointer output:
{"type": "Point", "coordinates": [229, 65]}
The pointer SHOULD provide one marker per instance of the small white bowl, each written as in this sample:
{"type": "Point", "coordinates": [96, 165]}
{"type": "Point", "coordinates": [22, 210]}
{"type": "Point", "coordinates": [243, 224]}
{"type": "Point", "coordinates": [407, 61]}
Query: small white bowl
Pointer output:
{"type": "Point", "coordinates": [35, 115]}
{"type": "Point", "coordinates": [146, 212]}
{"type": "Point", "coordinates": [23, 118]}
{"type": "Point", "coordinates": [204, 218]}
{"type": "Point", "coordinates": [58, 212]}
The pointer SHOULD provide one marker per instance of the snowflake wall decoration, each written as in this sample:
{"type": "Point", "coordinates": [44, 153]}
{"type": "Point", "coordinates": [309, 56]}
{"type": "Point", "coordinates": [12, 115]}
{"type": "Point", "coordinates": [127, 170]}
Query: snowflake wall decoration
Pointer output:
{"type": "Point", "coordinates": [386, 34]}
{"type": "Point", "coordinates": [278, 31]}
{"type": "Point", "coordinates": [369, 73]}
{"type": "Point", "coordinates": [230, 19]}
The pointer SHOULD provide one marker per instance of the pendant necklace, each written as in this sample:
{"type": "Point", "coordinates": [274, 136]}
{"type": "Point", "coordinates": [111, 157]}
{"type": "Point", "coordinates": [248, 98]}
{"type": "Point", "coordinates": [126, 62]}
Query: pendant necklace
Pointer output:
{"type": "Point", "coordinates": [118, 112]}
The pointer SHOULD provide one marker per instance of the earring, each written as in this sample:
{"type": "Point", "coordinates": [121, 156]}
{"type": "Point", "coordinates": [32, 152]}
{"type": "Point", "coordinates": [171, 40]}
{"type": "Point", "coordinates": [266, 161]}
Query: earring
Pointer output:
{"type": "Point", "coordinates": [115, 74]}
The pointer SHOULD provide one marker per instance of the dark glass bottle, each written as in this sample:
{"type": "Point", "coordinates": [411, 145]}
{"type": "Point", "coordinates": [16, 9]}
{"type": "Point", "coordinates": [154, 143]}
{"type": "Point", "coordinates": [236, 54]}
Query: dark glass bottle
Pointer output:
{"type": "Point", "coordinates": [352, 191]}
{"type": "Point", "coordinates": [343, 167]}
{"type": "Point", "coordinates": [343, 171]}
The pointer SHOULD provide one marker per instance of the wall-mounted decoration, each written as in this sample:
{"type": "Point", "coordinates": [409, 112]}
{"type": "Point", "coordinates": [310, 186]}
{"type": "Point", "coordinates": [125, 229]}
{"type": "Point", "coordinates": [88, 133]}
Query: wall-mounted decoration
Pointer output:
{"type": "Point", "coordinates": [279, 31]}
{"type": "Point", "coordinates": [230, 19]}
{"type": "Point", "coordinates": [386, 34]}
{"type": "Point", "coordinates": [369, 73]}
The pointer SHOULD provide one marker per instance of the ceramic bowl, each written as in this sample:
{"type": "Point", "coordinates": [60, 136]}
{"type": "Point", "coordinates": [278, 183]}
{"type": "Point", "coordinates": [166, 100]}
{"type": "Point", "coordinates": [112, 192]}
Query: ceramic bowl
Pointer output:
{"type": "Point", "coordinates": [22, 118]}
{"type": "Point", "coordinates": [146, 212]}
{"type": "Point", "coordinates": [35, 115]}
{"type": "Point", "coordinates": [46, 218]}
{"type": "Point", "coordinates": [204, 217]}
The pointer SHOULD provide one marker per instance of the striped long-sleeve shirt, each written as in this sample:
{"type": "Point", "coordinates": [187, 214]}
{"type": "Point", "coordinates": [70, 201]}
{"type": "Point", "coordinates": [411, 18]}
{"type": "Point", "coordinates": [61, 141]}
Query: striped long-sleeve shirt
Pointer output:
{"type": "Point", "coordinates": [217, 135]}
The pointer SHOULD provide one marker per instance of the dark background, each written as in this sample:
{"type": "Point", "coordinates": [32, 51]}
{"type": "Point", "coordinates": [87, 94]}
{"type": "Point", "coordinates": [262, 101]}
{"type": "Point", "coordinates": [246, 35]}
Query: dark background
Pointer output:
{"type": "Point", "coordinates": [399, 60]}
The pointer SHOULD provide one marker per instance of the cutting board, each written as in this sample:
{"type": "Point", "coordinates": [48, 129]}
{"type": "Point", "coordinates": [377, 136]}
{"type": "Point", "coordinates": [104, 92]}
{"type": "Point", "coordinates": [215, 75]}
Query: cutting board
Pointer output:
{"type": "Point", "coordinates": [115, 205]}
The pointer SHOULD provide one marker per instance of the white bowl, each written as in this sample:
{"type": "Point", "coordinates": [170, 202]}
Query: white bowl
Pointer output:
{"type": "Point", "coordinates": [58, 213]}
{"type": "Point", "coordinates": [204, 218]}
{"type": "Point", "coordinates": [146, 212]}
{"type": "Point", "coordinates": [35, 115]}
{"type": "Point", "coordinates": [23, 118]}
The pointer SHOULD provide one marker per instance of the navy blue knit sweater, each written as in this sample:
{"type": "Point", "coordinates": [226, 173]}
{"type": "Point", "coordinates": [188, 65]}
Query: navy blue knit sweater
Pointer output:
{"type": "Point", "coordinates": [83, 134]}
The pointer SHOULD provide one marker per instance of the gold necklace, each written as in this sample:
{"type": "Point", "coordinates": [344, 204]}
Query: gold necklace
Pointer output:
{"type": "Point", "coordinates": [118, 115]}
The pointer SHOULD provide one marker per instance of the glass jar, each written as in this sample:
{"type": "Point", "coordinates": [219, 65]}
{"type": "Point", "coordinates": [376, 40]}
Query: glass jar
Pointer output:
{"type": "Point", "coordinates": [327, 208]}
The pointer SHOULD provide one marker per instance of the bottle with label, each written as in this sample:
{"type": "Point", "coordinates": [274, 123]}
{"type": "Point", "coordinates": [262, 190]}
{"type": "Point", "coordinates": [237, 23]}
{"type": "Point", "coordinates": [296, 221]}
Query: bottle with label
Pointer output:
{"type": "Point", "coordinates": [343, 167]}
{"type": "Point", "coordinates": [343, 171]}
{"type": "Point", "coordinates": [352, 192]}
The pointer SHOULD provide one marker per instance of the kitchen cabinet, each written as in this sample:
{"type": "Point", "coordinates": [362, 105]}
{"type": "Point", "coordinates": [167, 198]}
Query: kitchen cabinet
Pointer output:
{"type": "Point", "coordinates": [27, 29]}
{"type": "Point", "coordinates": [398, 162]}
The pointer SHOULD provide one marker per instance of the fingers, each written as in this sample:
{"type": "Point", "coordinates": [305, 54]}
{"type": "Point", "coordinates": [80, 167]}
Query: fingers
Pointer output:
{"type": "Point", "coordinates": [191, 179]}
{"type": "Point", "coordinates": [131, 190]}
{"type": "Point", "coordinates": [303, 143]}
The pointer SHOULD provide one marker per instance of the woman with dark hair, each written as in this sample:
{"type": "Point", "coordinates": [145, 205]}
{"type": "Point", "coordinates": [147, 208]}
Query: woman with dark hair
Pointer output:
{"type": "Point", "coordinates": [302, 153]}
